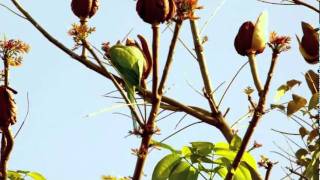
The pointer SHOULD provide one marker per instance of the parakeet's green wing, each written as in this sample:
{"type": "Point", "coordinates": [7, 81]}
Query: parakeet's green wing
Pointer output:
{"type": "Point", "coordinates": [125, 62]}
{"type": "Point", "coordinates": [140, 60]}
{"type": "Point", "coordinates": [128, 60]}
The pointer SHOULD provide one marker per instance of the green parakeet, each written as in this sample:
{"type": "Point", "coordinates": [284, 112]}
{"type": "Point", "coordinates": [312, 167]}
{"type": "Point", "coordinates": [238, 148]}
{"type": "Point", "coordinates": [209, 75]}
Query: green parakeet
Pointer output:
{"type": "Point", "coordinates": [129, 62]}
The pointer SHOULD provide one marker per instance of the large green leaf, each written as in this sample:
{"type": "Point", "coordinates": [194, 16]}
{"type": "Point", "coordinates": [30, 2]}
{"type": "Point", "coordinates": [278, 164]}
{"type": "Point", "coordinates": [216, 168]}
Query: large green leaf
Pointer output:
{"type": "Point", "coordinates": [222, 149]}
{"type": "Point", "coordinates": [186, 151]}
{"type": "Point", "coordinates": [165, 166]}
{"type": "Point", "coordinates": [12, 175]}
{"type": "Point", "coordinates": [235, 143]}
{"type": "Point", "coordinates": [202, 148]}
{"type": "Point", "coordinates": [36, 176]}
{"type": "Point", "coordinates": [183, 171]}
{"type": "Point", "coordinates": [242, 173]}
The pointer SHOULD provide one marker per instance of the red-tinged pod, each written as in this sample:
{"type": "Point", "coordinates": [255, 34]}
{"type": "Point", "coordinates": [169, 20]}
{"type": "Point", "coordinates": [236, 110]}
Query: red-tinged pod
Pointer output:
{"type": "Point", "coordinates": [309, 45]}
{"type": "Point", "coordinates": [8, 109]}
{"type": "Point", "coordinates": [156, 11]}
{"type": "Point", "coordinates": [84, 9]}
{"type": "Point", "coordinates": [243, 40]}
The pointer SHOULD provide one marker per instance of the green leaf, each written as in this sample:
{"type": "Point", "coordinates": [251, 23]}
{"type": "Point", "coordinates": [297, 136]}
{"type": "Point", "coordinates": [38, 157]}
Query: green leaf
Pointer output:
{"type": "Point", "coordinates": [163, 145]}
{"type": "Point", "coordinates": [249, 159]}
{"type": "Point", "coordinates": [235, 143]}
{"type": "Point", "coordinates": [314, 101]}
{"type": "Point", "coordinates": [36, 176]}
{"type": "Point", "coordinates": [12, 175]}
{"type": "Point", "coordinates": [186, 151]}
{"type": "Point", "coordinates": [281, 91]}
{"type": "Point", "coordinates": [241, 173]}
{"type": "Point", "coordinates": [165, 166]}
{"type": "Point", "coordinates": [203, 148]}
{"type": "Point", "coordinates": [222, 149]}
{"type": "Point", "coordinates": [297, 103]}
{"type": "Point", "coordinates": [222, 169]}
{"type": "Point", "coordinates": [183, 171]}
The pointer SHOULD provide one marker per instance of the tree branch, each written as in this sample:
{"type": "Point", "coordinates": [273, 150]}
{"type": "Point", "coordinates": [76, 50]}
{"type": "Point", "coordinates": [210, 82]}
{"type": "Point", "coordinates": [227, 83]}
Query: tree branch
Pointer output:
{"type": "Point", "coordinates": [258, 113]}
{"type": "Point", "coordinates": [220, 121]}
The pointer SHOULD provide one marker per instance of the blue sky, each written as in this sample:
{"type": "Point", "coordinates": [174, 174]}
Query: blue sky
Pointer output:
{"type": "Point", "coordinates": [61, 143]}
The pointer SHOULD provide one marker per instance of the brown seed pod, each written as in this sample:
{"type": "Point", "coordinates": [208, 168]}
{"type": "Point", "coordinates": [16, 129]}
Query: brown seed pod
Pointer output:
{"type": "Point", "coordinates": [156, 11]}
{"type": "Point", "coordinates": [310, 44]}
{"type": "Point", "coordinates": [8, 109]}
{"type": "Point", "coordinates": [243, 40]}
{"type": "Point", "coordinates": [84, 9]}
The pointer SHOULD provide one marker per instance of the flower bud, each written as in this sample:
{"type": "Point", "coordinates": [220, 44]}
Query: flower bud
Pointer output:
{"type": "Point", "coordinates": [309, 44]}
{"type": "Point", "coordinates": [84, 8]}
{"type": "Point", "coordinates": [156, 11]}
{"type": "Point", "coordinates": [8, 108]}
{"type": "Point", "coordinates": [252, 38]}
{"type": "Point", "coordinates": [243, 40]}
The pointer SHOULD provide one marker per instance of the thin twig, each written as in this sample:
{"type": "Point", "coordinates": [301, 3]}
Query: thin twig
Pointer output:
{"type": "Point", "coordinates": [294, 2]}
{"type": "Point", "coordinates": [19, 15]}
{"type": "Point", "coordinates": [185, 45]}
{"type": "Point", "coordinates": [296, 173]}
{"type": "Point", "coordinates": [232, 80]}
{"type": "Point", "coordinates": [167, 115]}
{"type": "Point", "coordinates": [282, 132]}
{"type": "Point", "coordinates": [276, 3]}
{"type": "Point", "coordinates": [215, 12]}
{"type": "Point", "coordinates": [25, 117]}
{"type": "Point", "coordinates": [176, 132]}
{"type": "Point", "coordinates": [180, 120]}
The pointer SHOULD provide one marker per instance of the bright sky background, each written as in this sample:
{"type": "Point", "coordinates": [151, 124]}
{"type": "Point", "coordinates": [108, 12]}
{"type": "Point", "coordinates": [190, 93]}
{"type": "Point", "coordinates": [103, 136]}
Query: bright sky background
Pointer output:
{"type": "Point", "coordinates": [58, 141]}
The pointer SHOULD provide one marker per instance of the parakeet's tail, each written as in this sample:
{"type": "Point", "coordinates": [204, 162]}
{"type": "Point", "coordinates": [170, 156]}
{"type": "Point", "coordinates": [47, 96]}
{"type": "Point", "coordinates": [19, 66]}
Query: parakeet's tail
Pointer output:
{"type": "Point", "coordinates": [130, 93]}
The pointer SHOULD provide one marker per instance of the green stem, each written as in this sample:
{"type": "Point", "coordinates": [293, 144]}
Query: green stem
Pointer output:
{"type": "Point", "coordinates": [254, 72]}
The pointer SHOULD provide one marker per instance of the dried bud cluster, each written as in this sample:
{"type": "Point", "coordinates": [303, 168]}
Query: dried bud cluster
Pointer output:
{"type": "Point", "coordinates": [252, 38]}
{"type": "Point", "coordinates": [309, 44]}
{"type": "Point", "coordinates": [13, 50]}
{"type": "Point", "coordinates": [279, 43]}
{"type": "Point", "coordinates": [84, 8]}
{"type": "Point", "coordinates": [8, 109]}
{"type": "Point", "coordinates": [156, 11]}
{"type": "Point", "coordinates": [185, 9]}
